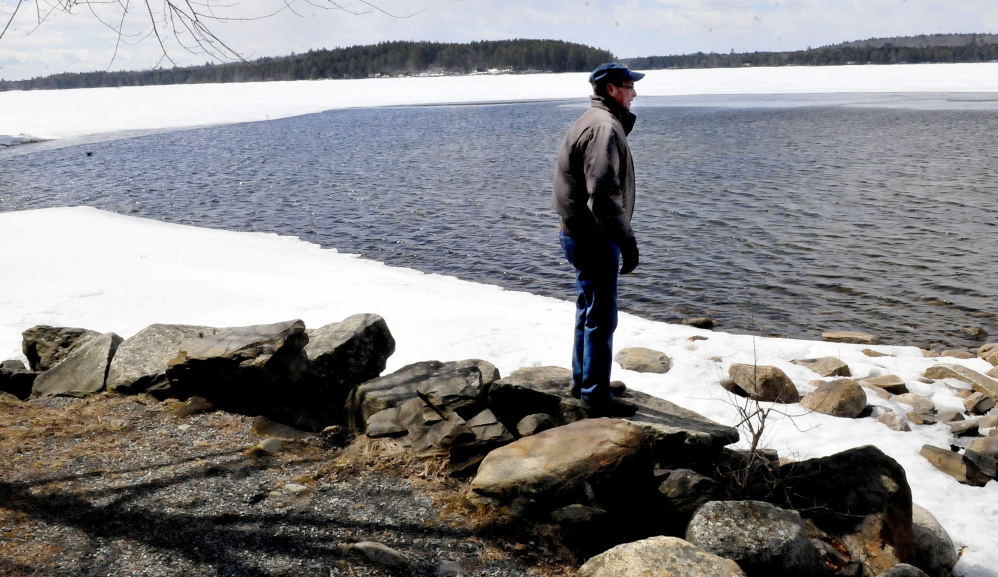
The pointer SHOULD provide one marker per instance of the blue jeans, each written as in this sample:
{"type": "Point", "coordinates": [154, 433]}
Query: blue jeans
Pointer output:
{"type": "Point", "coordinates": [596, 264]}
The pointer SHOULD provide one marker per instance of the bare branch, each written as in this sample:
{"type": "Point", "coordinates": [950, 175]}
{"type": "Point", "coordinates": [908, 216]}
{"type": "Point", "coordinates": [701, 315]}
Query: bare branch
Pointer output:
{"type": "Point", "coordinates": [14, 13]}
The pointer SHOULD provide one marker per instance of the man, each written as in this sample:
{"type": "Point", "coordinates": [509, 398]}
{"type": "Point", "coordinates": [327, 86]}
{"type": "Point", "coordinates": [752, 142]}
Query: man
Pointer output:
{"type": "Point", "coordinates": [594, 195]}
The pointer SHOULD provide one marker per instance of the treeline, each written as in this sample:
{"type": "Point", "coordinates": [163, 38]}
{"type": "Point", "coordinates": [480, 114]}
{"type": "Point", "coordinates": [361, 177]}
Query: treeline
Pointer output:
{"type": "Point", "coordinates": [384, 59]}
{"type": "Point", "coordinates": [825, 56]}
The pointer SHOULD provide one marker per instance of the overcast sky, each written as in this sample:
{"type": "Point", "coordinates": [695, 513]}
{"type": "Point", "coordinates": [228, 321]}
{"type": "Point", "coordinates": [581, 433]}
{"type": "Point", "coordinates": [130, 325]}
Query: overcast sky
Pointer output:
{"type": "Point", "coordinates": [79, 42]}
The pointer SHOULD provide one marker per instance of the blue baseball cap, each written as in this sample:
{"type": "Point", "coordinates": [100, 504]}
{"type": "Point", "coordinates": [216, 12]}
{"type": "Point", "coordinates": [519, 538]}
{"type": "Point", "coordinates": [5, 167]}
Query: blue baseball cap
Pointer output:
{"type": "Point", "coordinates": [612, 71]}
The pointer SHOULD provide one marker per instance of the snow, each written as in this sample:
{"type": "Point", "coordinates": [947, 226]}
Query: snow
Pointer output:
{"type": "Point", "coordinates": [109, 272]}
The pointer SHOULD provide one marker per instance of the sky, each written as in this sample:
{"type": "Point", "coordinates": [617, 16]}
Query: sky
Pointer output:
{"type": "Point", "coordinates": [80, 42]}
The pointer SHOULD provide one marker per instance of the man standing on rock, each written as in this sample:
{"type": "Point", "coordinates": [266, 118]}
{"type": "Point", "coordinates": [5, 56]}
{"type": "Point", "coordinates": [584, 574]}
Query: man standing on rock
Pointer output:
{"type": "Point", "coordinates": [594, 195]}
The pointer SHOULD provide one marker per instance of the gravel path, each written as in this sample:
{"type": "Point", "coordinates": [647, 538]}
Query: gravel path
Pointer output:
{"type": "Point", "coordinates": [118, 485]}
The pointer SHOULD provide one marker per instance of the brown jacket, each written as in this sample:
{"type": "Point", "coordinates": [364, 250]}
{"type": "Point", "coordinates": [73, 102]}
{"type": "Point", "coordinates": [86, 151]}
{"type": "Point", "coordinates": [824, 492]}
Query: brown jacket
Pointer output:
{"type": "Point", "coordinates": [594, 174]}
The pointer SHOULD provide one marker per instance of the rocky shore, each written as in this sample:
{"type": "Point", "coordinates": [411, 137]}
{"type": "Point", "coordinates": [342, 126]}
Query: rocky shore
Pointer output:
{"type": "Point", "coordinates": [281, 450]}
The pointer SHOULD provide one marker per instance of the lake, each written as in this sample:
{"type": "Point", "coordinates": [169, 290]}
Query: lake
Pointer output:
{"type": "Point", "coordinates": [782, 216]}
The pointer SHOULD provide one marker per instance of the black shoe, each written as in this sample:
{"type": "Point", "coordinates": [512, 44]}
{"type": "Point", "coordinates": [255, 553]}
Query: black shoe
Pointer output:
{"type": "Point", "coordinates": [608, 407]}
{"type": "Point", "coordinates": [576, 392]}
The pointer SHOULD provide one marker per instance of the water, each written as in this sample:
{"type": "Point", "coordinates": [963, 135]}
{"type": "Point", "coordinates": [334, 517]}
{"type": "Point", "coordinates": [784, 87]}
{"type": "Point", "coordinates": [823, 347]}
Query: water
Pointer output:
{"type": "Point", "coordinates": [776, 216]}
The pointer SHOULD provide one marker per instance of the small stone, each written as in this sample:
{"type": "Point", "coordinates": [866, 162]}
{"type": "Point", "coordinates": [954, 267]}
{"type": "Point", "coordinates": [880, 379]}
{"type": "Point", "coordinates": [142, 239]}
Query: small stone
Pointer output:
{"type": "Point", "coordinates": [978, 403]}
{"type": "Point", "coordinates": [194, 406]}
{"type": "Point", "coordinates": [890, 383]}
{"type": "Point", "coordinates": [449, 569]}
{"type": "Point", "coordinates": [987, 421]}
{"type": "Point", "coordinates": [918, 402]}
{"type": "Point", "coordinates": [921, 418]}
{"type": "Point", "coordinates": [643, 360]}
{"type": "Point", "coordinates": [184, 427]}
{"type": "Point", "coordinates": [270, 428]}
{"type": "Point", "coordinates": [949, 416]}
{"type": "Point", "coordinates": [383, 555]}
{"type": "Point", "coordinates": [976, 333]}
{"type": "Point", "coordinates": [270, 446]}
{"type": "Point", "coordinates": [929, 353]}
{"type": "Point", "coordinates": [873, 353]}
{"type": "Point", "coordinates": [849, 337]}
{"type": "Point", "coordinates": [958, 354]}
{"type": "Point", "coordinates": [964, 393]}
{"type": "Point", "coordinates": [296, 489]}
{"type": "Point", "coordinates": [893, 421]}
{"type": "Point", "coordinates": [825, 366]}
{"type": "Point", "coordinates": [988, 446]}
{"type": "Point", "coordinates": [699, 322]}
{"type": "Point", "coordinates": [533, 424]}
{"type": "Point", "coordinates": [964, 428]}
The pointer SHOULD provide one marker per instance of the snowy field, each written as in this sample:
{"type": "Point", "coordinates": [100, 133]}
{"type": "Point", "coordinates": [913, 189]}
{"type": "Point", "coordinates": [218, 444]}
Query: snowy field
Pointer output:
{"type": "Point", "coordinates": [108, 272]}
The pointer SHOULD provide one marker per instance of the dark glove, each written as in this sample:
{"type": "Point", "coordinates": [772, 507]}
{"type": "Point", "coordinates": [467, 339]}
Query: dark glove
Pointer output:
{"type": "Point", "coordinates": [629, 254]}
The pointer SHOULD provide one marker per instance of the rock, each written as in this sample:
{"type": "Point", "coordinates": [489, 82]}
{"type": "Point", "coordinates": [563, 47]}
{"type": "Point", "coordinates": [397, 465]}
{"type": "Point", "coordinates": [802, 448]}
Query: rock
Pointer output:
{"type": "Point", "coordinates": [344, 354]}
{"type": "Point", "coordinates": [659, 557]}
{"type": "Point", "coordinates": [533, 424]}
{"type": "Point", "coordinates": [461, 391]}
{"type": "Point", "coordinates": [873, 353]}
{"type": "Point", "coordinates": [82, 372]}
{"type": "Point", "coordinates": [903, 570]}
{"type": "Point", "coordinates": [141, 361]}
{"type": "Point", "coordinates": [825, 366]}
{"type": "Point", "coordinates": [862, 498]}
{"type": "Point", "coordinates": [921, 418]}
{"type": "Point", "coordinates": [16, 380]}
{"type": "Point", "coordinates": [838, 398]}
{"type": "Point", "coordinates": [577, 514]}
{"type": "Point", "coordinates": [993, 373]}
{"type": "Point", "coordinates": [699, 322]}
{"type": "Point", "coordinates": [436, 433]}
{"type": "Point", "coordinates": [764, 383]}
{"type": "Point", "coordinates": [448, 569]}
{"type": "Point", "coordinates": [762, 538]}
{"type": "Point", "coordinates": [296, 488]}
{"type": "Point", "coordinates": [987, 465]}
{"type": "Point", "coordinates": [927, 353]}
{"type": "Point", "coordinates": [893, 421]}
{"type": "Point", "coordinates": [964, 393]}
{"type": "Point", "coordinates": [335, 437]}
{"type": "Point", "coordinates": [252, 370]}
{"type": "Point", "coordinates": [678, 437]}
{"type": "Point", "coordinates": [195, 406]}
{"type": "Point", "coordinates": [934, 550]}
{"type": "Point", "coordinates": [467, 452]}
{"type": "Point", "coordinates": [587, 462]}
{"type": "Point", "coordinates": [643, 360]}
{"type": "Point", "coordinates": [393, 390]}
{"type": "Point", "coordinates": [382, 555]}
{"type": "Point", "coordinates": [270, 446]}
{"type": "Point", "coordinates": [954, 465]}
{"type": "Point", "coordinates": [964, 428]}
{"type": "Point", "coordinates": [987, 446]}
{"type": "Point", "coordinates": [987, 421]}
{"type": "Point", "coordinates": [981, 383]}
{"type": "Point", "coordinates": [849, 337]}
{"type": "Point", "coordinates": [977, 333]}
{"type": "Point", "coordinates": [918, 402]}
{"type": "Point", "coordinates": [989, 353]}
{"type": "Point", "coordinates": [978, 403]}
{"type": "Point", "coordinates": [949, 416]}
{"type": "Point", "coordinates": [269, 428]}
{"type": "Point", "coordinates": [957, 354]}
{"type": "Point", "coordinates": [686, 491]}
{"type": "Point", "coordinates": [534, 390]}
{"type": "Point", "coordinates": [891, 383]}
{"type": "Point", "coordinates": [45, 346]}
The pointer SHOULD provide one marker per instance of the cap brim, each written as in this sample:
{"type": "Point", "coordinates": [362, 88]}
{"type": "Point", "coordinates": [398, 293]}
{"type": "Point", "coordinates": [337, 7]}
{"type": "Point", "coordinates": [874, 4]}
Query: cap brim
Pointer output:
{"type": "Point", "coordinates": [635, 76]}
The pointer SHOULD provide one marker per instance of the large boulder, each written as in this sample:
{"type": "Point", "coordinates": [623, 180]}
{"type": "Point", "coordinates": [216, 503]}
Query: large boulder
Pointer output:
{"type": "Point", "coordinates": [764, 383]}
{"type": "Point", "coordinates": [934, 550]}
{"type": "Point", "coordinates": [838, 398]}
{"type": "Point", "coordinates": [80, 374]}
{"type": "Point", "coordinates": [141, 361]}
{"type": "Point", "coordinates": [376, 395]}
{"type": "Point", "coordinates": [533, 390]}
{"type": "Point", "coordinates": [861, 497]}
{"type": "Point", "coordinates": [762, 538]}
{"type": "Point", "coordinates": [15, 379]}
{"type": "Point", "coordinates": [826, 366]}
{"type": "Point", "coordinates": [678, 437]}
{"type": "Point", "coordinates": [45, 346]}
{"type": "Point", "coordinates": [659, 557]}
{"type": "Point", "coordinates": [344, 354]}
{"type": "Point", "coordinates": [597, 462]}
{"type": "Point", "coordinates": [253, 370]}
{"type": "Point", "coordinates": [642, 360]}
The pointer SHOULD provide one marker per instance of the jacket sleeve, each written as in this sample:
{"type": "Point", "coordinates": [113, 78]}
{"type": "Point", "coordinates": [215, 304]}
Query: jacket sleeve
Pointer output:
{"type": "Point", "coordinates": [603, 166]}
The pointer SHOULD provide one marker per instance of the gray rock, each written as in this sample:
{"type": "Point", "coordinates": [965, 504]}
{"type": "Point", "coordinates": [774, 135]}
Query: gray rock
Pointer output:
{"type": "Point", "coordinates": [678, 437]}
{"type": "Point", "coordinates": [917, 402]}
{"type": "Point", "coordinates": [826, 366]}
{"type": "Point", "coordinates": [344, 354]}
{"type": "Point", "coordinates": [439, 432]}
{"type": "Point", "coordinates": [642, 360]}
{"type": "Point", "coordinates": [45, 346]}
{"type": "Point", "coordinates": [699, 322]}
{"type": "Point", "coordinates": [964, 428]}
{"type": "Point", "coordinates": [838, 398]}
{"type": "Point", "coordinates": [533, 390]}
{"type": "Point", "coordinates": [849, 337]}
{"type": "Point", "coordinates": [449, 569]}
{"type": "Point", "coordinates": [659, 557]}
{"type": "Point", "coordinates": [80, 374]}
{"type": "Point", "coordinates": [270, 446]}
{"type": "Point", "coordinates": [934, 550]}
{"type": "Point", "coordinates": [16, 380]}
{"type": "Point", "coordinates": [891, 383]}
{"type": "Point", "coordinates": [978, 403]}
{"type": "Point", "coordinates": [764, 383]}
{"type": "Point", "coordinates": [987, 421]}
{"type": "Point", "coordinates": [592, 461]}
{"type": "Point", "coordinates": [904, 570]}
{"type": "Point", "coordinates": [987, 446]}
{"type": "Point", "coordinates": [686, 491]}
{"type": "Point", "coordinates": [141, 361]}
{"type": "Point", "coordinates": [382, 555]}
{"type": "Point", "coordinates": [533, 424]}
{"type": "Point", "coordinates": [577, 514]}
{"type": "Point", "coordinates": [981, 383]}
{"type": "Point", "coordinates": [955, 465]}
{"type": "Point", "coordinates": [894, 421]}
{"type": "Point", "coordinates": [762, 538]}
{"type": "Point", "coordinates": [270, 428]}
{"type": "Point", "coordinates": [460, 391]}
{"type": "Point", "coordinates": [949, 416]}
{"type": "Point", "coordinates": [989, 353]}
{"type": "Point", "coordinates": [862, 498]}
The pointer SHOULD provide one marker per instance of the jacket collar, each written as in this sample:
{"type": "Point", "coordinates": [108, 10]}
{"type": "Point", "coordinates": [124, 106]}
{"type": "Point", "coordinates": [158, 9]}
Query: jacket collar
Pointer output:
{"type": "Point", "coordinates": [625, 117]}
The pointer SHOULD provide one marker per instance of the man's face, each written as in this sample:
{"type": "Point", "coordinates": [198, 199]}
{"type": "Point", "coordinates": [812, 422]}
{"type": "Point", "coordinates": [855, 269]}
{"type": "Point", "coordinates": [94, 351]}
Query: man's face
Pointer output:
{"type": "Point", "coordinates": [623, 94]}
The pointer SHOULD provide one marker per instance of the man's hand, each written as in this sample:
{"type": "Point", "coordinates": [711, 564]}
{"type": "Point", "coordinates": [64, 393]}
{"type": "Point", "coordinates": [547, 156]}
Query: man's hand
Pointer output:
{"type": "Point", "coordinates": [629, 254]}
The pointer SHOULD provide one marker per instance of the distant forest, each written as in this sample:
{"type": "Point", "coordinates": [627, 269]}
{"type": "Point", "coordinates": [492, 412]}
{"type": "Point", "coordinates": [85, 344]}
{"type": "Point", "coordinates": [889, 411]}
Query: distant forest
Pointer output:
{"type": "Point", "coordinates": [384, 59]}
{"type": "Point", "coordinates": [936, 48]}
